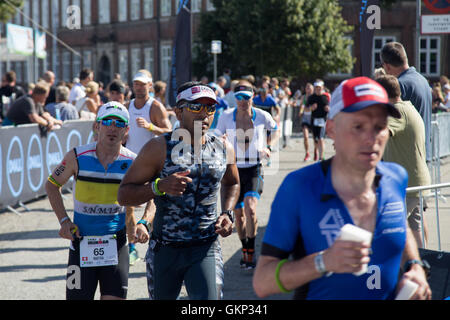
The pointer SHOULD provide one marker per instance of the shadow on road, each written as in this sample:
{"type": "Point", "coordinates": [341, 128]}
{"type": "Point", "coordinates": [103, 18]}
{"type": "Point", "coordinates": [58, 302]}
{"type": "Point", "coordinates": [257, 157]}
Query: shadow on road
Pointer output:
{"type": "Point", "coordinates": [29, 235]}
{"type": "Point", "coordinates": [239, 282]}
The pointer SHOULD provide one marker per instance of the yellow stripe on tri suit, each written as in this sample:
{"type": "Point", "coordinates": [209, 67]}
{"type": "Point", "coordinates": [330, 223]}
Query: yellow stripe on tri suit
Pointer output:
{"type": "Point", "coordinates": [96, 193]}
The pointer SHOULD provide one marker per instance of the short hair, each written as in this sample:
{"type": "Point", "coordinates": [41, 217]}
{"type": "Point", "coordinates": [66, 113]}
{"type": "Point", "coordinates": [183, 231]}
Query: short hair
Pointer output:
{"type": "Point", "coordinates": [10, 76]}
{"type": "Point", "coordinates": [85, 73]}
{"type": "Point", "coordinates": [62, 93]}
{"type": "Point", "coordinates": [390, 84]}
{"type": "Point", "coordinates": [117, 85]}
{"type": "Point", "coordinates": [394, 53]}
{"type": "Point", "coordinates": [41, 87]}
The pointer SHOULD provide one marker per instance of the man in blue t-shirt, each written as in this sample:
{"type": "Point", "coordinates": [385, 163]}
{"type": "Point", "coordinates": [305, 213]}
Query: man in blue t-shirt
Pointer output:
{"type": "Point", "coordinates": [355, 188]}
{"type": "Point", "coordinates": [266, 102]}
{"type": "Point", "coordinates": [413, 85]}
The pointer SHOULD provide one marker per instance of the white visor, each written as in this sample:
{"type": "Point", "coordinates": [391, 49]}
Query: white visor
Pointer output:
{"type": "Point", "coordinates": [197, 92]}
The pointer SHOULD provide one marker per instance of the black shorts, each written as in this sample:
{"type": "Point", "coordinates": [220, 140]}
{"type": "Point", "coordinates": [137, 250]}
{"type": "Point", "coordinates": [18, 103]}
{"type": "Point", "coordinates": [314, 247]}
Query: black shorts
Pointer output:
{"type": "Point", "coordinates": [81, 283]}
{"type": "Point", "coordinates": [252, 183]}
{"type": "Point", "coordinates": [318, 132]}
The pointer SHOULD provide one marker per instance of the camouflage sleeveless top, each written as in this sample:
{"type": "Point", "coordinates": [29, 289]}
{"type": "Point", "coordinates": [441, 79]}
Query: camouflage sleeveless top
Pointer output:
{"type": "Point", "coordinates": [192, 216]}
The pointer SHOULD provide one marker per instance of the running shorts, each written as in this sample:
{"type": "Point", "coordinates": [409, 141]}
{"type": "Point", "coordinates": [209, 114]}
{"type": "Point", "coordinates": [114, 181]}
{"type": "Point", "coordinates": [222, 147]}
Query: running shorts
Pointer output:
{"type": "Point", "coordinates": [113, 279]}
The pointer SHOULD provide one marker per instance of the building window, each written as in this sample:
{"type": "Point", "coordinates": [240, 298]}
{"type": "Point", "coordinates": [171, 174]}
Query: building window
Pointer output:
{"type": "Point", "coordinates": [123, 10]}
{"type": "Point", "coordinates": [66, 64]}
{"type": "Point", "coordinates": [55, 14]}
{"type": "Point", "coordinates": [87, 12]}
{"type": "Point", "coordinates": [135, 11]}
{"type": "Point", "coordinates": [430, 55]}
{"type": "Point", "coordinates": [378, 44]}
{"type": "Point", "coordinates": [36, 10]}
{"type": "Point", "coordinates": [76, 64]}
{"type": "Point", "coordinates": [166, 61]}
{"type": "Point", "coordinates": [166, 8]}
{"type": "Point", "coordinates": [148, 9]}
{"type": "Point", "coordinates": [135, 60]}
{"type": "Point", "coordinates": [196, 5]}
{"type": "Point", "coordinates": [87, 59]}
{"type": "Point", "coordinates": [45, 13]}
{"type": "Point", "coordinates": [123, 64]}
{"type": "Point", "coordinates": [104, 12]}
{"type": "Point", "coordinates": [148, 59]}
{"type": "Point", "coordinates": [210, 6]}
{"type": "Point", "coordinates": [26, 10]}
{"type": "Point", "coordinates": [64, 5]}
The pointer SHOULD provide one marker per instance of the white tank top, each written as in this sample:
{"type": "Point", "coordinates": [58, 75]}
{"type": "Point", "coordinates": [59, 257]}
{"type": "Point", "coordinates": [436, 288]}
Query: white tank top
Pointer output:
{"type": "Point", "coordinates": [137, 136]}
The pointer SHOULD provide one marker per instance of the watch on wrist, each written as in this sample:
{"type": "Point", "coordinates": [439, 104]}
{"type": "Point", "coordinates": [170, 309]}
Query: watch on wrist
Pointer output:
{"type": "Point", "coordinates": [145, 223]}
{"type": "Point", "coordinates": [423, 263]}
{"type": "Point", "coordinates": [230, 214]}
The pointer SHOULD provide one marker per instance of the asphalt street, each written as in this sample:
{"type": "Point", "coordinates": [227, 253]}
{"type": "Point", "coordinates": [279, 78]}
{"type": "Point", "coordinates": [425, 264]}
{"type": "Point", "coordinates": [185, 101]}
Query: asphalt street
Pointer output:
{"type": "Point", "coordinates": [33, 259]}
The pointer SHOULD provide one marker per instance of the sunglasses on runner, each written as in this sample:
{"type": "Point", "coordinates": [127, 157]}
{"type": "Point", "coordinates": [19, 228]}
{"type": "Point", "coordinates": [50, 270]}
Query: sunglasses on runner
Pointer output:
{"type": "Point", "coordinates": [198, 107]}
{"type": "Point", "coordinates": [240, 97]}
{"type": "Point", "coordinates": [110, 122]}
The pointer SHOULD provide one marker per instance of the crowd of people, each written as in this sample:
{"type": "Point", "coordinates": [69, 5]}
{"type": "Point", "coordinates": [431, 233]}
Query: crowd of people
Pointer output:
{"type": "Point", "coordinates": [172, 175]}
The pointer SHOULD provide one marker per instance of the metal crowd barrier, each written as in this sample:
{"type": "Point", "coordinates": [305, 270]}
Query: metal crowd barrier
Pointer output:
{"type": "Point", "coordinates": [28, 155]}
{"type": "Point", "coordinates": [434, 187]}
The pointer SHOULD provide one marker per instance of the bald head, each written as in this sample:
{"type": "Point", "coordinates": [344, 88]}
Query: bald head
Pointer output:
{"type": "Point", "coordinates": [49, 77]}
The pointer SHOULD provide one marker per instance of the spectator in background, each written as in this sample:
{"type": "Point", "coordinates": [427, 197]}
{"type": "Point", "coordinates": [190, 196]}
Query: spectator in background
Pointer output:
{"type": "Point", "coordinates": [116, 91]}
{"type": "Point", "coordinates": [49, 77]}
{"type": "Point", "coordinates": [221, 82]}
{"type": "Point", "coordinates": [101, 93]}
{"type": "Point", "coordinates": [447, 95]}
{"type": "Point", "coordinates": [204, 80]}
{"type": "Point", "coordinates": [160, 95]}
{"type": "Point", "coordinates": [406, 146]}
{"type": "Point", "coordinates": [30, 109]}
{"type": "Point", "coordinates": [88, 105]}
{"type": "Point", "coordinates": [67, 111]}
{"type": "Point", "coordinates": [78, 90]}
{"type": "Point", "coordinates": [438, 99]}
{"type": "Point", "coordinates": [221, 106]}
{"type": "Point", "coordinates": [413, 85]}
{"type": "Point", "coordinates": [229, 97]}
{"type": "Point", "coordinates": [9, 92]}
{"type": "Point", "coordinates": [227, 76]}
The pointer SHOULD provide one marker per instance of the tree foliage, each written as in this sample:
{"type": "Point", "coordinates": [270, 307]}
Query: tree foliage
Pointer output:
{"type": "Point", "coordinates": [299, 38]}
{"type": "Point", "coordinates": [7, 9]}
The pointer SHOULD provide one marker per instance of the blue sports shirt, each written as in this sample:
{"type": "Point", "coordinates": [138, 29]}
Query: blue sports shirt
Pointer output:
{"type": "Point", "coordinates": [307, 215]}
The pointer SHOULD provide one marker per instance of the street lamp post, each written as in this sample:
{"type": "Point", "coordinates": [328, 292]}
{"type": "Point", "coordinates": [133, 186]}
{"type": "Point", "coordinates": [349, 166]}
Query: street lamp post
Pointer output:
{"type": "Point", "coordinates": [216, 48]}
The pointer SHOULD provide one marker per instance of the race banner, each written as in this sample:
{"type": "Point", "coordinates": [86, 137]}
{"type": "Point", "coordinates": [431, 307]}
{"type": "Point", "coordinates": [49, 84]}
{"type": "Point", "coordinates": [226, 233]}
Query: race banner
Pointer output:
{"type": "Point", "coordinates": [19, 39]}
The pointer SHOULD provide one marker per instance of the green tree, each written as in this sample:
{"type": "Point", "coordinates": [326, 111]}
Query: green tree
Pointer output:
{"type": "Point", "coordinates": [299, 38]}
{"type": "Point", "coordinates": [7, 9]}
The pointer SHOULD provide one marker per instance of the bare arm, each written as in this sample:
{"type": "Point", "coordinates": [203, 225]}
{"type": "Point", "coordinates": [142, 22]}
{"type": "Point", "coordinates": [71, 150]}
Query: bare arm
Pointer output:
{"type": "Point", "coordinates": [160, 119]}
{"type": "Point", "coordinates": [341, 257]}
{"type": "Point", "coordinates": [416, 273]}
{"type": "Point", "coordinates": [62, 173]}
{"type": "Point", "coordinates": [135, 188]}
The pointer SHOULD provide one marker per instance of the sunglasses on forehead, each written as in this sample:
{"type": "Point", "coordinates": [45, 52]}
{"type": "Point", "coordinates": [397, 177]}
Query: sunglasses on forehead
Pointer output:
{"type": "Point", "coordinates": [110, 122]}
{"type": "Point", "coordinates": [198, 107]}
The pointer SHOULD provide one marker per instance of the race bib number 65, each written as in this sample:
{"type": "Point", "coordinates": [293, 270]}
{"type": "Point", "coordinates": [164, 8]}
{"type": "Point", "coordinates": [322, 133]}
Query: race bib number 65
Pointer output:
{"type": "Point", "coordinates": [97, 251]}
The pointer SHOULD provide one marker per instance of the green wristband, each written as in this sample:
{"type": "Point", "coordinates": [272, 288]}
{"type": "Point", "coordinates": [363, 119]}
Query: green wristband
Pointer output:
{"type": "Point", "coordinates": [159, 193]}
{"type": "Point", "coordinates": [277, 276]}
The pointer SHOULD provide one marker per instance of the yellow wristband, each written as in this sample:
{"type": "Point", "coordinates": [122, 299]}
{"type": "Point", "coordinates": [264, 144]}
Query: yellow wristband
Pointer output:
{"type": "Point", "coordinates": [151, 127]}
{"type": "Point", "coordinates": [53, 181]}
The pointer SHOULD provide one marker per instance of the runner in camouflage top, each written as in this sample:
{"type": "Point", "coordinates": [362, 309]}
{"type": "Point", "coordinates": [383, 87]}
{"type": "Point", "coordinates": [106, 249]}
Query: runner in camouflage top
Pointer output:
{"type": "Point", "coordinates": [184, 178]}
